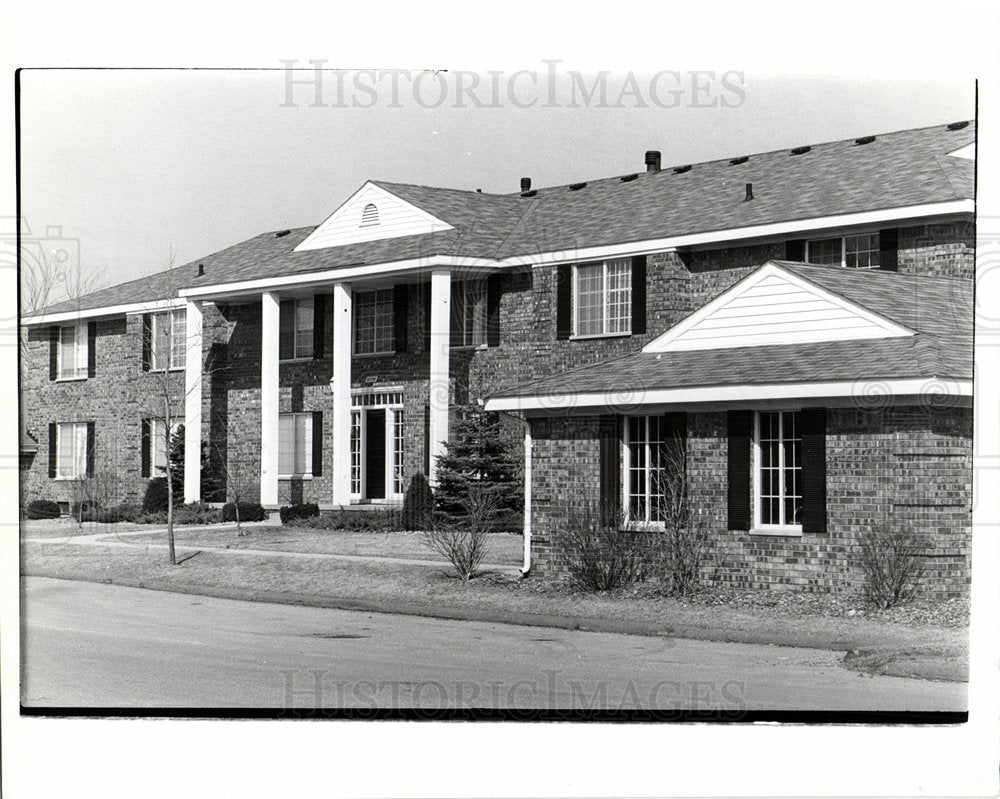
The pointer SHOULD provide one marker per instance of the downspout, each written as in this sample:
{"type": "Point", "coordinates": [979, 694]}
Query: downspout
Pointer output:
{"type": "Point", "coordinates": [526, 425]}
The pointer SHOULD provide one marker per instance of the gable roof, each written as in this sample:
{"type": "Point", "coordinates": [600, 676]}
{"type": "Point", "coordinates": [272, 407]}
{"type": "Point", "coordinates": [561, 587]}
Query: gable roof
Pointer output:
{"type": "Point", "coordinates": [938, 309]}
{"type": "Point", "coordinates": [894, 171]}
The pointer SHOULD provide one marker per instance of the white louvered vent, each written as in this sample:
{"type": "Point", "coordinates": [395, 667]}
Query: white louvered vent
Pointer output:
{"type": "Point", "coordinates": [369, 216]}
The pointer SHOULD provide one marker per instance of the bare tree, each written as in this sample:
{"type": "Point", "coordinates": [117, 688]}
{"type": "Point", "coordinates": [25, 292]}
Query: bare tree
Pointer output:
{"type": "Point", "coordinates": [240, 483]}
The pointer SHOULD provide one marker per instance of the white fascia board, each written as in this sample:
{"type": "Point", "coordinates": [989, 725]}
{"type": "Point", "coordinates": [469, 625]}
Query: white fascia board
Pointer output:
{"type": "Point", "coordinates": [109, 310]}
{"type": "Point", "coordinates": [873, 393]}
{"type": "Point", "coordinates": [343, 274]}
{"type": "Point", "coordinates": [734, 234]}
{"type": "Point", "coordinates": [662, 342]}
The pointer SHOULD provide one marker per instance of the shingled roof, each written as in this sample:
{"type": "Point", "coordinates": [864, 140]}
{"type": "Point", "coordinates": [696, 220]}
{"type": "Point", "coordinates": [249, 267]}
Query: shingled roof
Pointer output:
{"type": "Point", "coordinates": [938, 309]}
{"type": "Point", "coordinates": [893, 170]}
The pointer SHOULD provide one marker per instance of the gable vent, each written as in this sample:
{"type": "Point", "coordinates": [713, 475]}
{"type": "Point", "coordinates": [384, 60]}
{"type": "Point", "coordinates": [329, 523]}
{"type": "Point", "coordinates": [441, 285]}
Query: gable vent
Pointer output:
{"type": "Point", "coordinates": [369, 216]}
{"type": "Point", "coordinates": [680, 170]}
{"type": "Point", "coordinates": [741, 160]}
{"type": "Point", "coordinates": [281, 234]}
{"type": "Point", "coordinates": [958, 125]}
{"type": "Point", "coordinates": [865, 140]}
{"type": "Point", "coordinates": [576, 186]}
{"type": "Point", "coordinates": [800, 150]}
{"type": "Point", "coordinates": [627, 178]}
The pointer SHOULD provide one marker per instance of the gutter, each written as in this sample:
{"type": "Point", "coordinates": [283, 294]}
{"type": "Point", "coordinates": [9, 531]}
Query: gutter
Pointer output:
{"type": "Point", "coordinates": [526, 425]}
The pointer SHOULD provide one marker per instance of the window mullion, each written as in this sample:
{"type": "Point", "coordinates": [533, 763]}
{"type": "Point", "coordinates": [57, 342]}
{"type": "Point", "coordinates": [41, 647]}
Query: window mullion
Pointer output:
{"type": "Point", "coordinates": [604, 299]}
{"type": "Point", "coordinates": [648, 513]}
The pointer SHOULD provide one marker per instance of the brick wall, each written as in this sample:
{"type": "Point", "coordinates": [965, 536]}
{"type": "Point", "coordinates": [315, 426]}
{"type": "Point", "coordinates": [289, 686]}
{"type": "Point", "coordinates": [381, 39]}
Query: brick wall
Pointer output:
{"type": "Point", "coordinates": [911, 466]}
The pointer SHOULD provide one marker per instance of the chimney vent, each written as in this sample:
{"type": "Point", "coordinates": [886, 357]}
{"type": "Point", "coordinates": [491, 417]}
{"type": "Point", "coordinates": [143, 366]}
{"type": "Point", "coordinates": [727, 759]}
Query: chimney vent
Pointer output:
{"type": "Point", "coordinates": [525, 184]}
{"type": "Point", "coordinates": [749, 191]}
{"type": "Point", "coordinates": [201, 270]}
{"type": "Point", "coordinates": [652, 160]}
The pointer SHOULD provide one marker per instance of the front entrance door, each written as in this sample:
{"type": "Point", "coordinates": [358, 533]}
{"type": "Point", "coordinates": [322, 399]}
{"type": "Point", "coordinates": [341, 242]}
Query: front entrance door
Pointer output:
{"type": "Point", "coordinates": [375, 453]}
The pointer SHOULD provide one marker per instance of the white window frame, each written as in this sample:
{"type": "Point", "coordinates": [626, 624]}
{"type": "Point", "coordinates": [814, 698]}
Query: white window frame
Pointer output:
{"type": "Point", "coordinates": [605, 302]}
{"type": "Point", "coordinates": [300, 304]}
{"type": "Point", "coordinates": [461, 291]}
{"type": "Point", "coordinates": [626, 474]}
{"type": "Point", "coordinates": [81, 353]}
{"type": "Point", "coordinates": [156, 427]}
{"type": "Point", "coordinates": [843, 247]}
{"type": "Point", "coordinates": [758, 527]}
{"type": "Point", "coordinates": [358, 295]}
{"type": "Point", "coordinates": [176, 356]}
{"type": "Point", "coordinates": [307, 444]}
{"type": "Point", "coordinates": [391, 400]}
{"type": "Point", "coordinates": [78, 430]}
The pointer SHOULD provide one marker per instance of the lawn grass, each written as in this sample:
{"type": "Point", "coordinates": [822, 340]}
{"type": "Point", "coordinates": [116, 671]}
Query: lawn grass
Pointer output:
{"type": "Point", "coordinates": [428, 588]}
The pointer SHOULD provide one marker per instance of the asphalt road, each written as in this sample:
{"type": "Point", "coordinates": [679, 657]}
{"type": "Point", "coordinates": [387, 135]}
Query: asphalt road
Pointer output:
{"type": "Point", "coordinates": [91, 645]}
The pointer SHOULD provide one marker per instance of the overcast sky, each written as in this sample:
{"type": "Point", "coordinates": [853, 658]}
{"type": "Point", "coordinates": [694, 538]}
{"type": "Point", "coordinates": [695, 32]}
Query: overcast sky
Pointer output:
{"type": "Point", "coordinates": [134, 165]}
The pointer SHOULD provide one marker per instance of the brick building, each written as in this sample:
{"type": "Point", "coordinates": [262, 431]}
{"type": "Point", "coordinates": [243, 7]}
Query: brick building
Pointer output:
{"type": "Point", "coordinates": [800, 318]}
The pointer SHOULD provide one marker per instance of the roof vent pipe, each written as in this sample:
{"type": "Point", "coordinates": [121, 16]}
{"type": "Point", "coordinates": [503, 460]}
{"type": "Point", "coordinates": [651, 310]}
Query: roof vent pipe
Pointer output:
{"type": "Point", "coordinates": [201, 270]}
{"type": "Point", "coordinates": [652, 160]}
{"type": "Point", "coordinates": [749, 191]}
{"type": "Point", "coordinates": [525, 184]}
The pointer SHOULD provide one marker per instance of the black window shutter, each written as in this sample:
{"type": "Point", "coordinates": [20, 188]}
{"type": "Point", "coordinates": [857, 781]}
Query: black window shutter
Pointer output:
{"type": "Point", "coordinates": [795, 250]}
{"type": "Point", "coordinates": [147, 341]}
{"type": "Point", "coordinates": [639, 294]}
{"type": "Point", "coordinates": [813, 429]}
{"type": "Point", "coordinates": [427, 317]}
{"type": "Point", "coordinates": [739, 424]}
{"type": "Point", "coordinates": [286, 330]}
{"type": "Point", "coordinates": [91, 349]}
{"type": "Point", "coordinates": [493, 311]}
{"type": "Point", "coordinates": [53, 353]}
{"type": "Point", "coordinates": [888, 245]}
{"type": "Point", "coordinates": [674, 431]}
{"type": "Point", "coordinates": [609, 470]}
{"type": "Point", "coordinates": [317, 464]}
{"type": "Point", "coordinates": [400, 306]}
{"type": "Point", "coordinates": [145, 449]}
{"type": "Point", "coordinates": [319, 325]}
{"type": "Point", "coordinates": [564, 301]}
{"type": "Point", "coordinates": [91, 449]}
{"type": "Point", "coordinates": [52, 449]}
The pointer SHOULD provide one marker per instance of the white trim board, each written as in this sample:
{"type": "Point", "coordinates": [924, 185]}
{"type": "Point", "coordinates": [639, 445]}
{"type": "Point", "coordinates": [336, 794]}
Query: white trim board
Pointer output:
{"type": "Point", "coordinates": [772, 306]}
{"type": "Point", "coordinates": [396, 218]}
{"type": "Point", "coordinates": [862, 393]}
{"type": "Point", "coordinates": [109, 310]}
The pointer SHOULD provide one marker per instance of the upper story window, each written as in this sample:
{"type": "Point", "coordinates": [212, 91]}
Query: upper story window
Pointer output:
{"type": "Point", "coordinates": [468, 313]}
{"type": "Point", "coordinates": [168, 340]}
{"type": "Point", "coordinates": [778, 492]}
{"type": "Point", "coordinates": [374, 322]}
{"type": "Point", "coordinates": [295, 334]}
{"type": "Point", "coordinates": [72, 354]}
{"type": "Point", "coordinates": [858, 252]}
{"type": "Point", "coordinates": [369, 215]}
{"type": "Point", "coordinates": [603, 298]}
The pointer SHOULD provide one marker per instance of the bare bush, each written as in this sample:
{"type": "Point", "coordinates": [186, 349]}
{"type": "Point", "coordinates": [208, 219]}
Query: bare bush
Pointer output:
{"type": "Point", "coordinates": [465, 543]}
{"type": "Point", "coordinates": [892, 562]}
{"type": "Point", "coordinates": [603, 557]}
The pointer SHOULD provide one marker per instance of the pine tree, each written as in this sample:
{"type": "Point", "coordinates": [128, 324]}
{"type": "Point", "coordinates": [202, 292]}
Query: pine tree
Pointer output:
{"type": "Point", "coordinates": [479, 457]}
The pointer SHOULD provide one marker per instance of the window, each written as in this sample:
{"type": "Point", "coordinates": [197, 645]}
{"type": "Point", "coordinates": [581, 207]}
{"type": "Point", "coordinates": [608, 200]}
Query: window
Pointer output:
{"type": "Point", "coordinates": [71, 448]}
{"type": "Point", "coordinates": [857, 252]}
{"type": "Point", "coordinates": [295, 443]}
{"type": "Point", "coordinates": [72, 352]}
{"type": "Point", "coordinates": [374, 322]}
{"type": "Point", "coordinates": [295, 329]}
{"type": "Point", "coordinates": [160, 446]}
{"type": "Point", "coordinates": [779, 469]}
{"type": "Point", "coordinates": [468, 313]}
{"type": "Point", "coordinates": [168, 340]}
{"type": "Point", "coordinates": [369, 216]}
{"type": "Point", "coordinates": [647, 468]}
{"type": "Point", "coordinates": [604, 298]}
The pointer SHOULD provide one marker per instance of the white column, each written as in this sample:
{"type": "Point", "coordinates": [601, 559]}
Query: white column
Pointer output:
{"type": "Point", "coordinates": [270, 323]}
{"type": "Point", "coordinates": [192, 402]}
{"type": "Point", "coordinates": [340, 385]}
{"type": "Point", "coordinates": [440, 334]}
